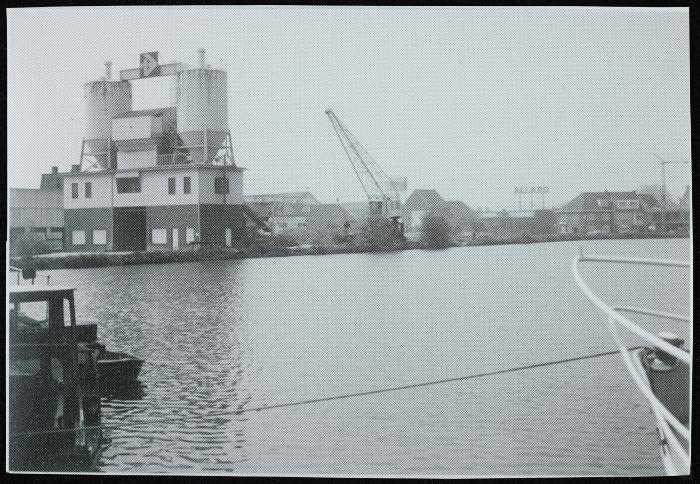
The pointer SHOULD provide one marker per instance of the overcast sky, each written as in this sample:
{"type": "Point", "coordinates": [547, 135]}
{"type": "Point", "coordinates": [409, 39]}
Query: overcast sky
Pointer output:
{"type": "Point", "coordinates": [469, 101]}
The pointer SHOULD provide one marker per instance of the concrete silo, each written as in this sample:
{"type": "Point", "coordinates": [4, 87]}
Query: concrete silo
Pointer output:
{"type": "Point", "coordinates": [202, 111]}
{"type": "Point", "coordinates": [104, 99]}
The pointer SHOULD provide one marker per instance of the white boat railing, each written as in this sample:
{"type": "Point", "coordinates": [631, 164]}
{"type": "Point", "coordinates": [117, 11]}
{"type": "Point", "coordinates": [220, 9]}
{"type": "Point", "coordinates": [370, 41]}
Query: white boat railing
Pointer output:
{"type": "Point", "coordinates": [18, 271]}
{"type": "Point", "coordinates": [665, 419]}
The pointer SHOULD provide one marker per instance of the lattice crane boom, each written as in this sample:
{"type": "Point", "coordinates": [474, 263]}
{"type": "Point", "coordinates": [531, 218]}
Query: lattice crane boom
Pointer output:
{"type": "Point", "coordinates": [375, 182]}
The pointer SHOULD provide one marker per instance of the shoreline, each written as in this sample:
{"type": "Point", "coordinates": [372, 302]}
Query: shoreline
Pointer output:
{"type": "Point", "coordinates": [259, 250]}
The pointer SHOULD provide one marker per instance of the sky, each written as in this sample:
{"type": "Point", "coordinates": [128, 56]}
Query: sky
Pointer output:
{"type": "Point", "coordinates": [470, 101]}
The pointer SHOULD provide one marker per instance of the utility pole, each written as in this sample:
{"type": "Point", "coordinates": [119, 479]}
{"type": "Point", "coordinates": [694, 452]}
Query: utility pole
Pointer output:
{"type": "Point", "coordinates": [663, 187]}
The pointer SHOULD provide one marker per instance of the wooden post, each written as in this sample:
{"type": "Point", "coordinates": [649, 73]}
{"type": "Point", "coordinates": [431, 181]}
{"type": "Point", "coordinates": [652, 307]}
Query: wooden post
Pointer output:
{"type": "Point", "coordinates": [72, 395]}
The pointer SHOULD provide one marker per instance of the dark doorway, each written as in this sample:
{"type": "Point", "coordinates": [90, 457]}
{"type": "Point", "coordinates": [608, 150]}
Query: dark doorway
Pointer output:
{"type": "Point", "coordinates": [130, 229]}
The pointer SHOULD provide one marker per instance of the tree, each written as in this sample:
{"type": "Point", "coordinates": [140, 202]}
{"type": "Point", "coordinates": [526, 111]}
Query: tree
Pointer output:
{"type": "Point", "coordinates": [435, 232]}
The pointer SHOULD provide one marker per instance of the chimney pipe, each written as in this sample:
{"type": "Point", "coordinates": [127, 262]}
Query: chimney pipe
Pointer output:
{"type": "Point", "coordinates": [108, 70]}
{"type": "Point", "coordinates": [202, 63]}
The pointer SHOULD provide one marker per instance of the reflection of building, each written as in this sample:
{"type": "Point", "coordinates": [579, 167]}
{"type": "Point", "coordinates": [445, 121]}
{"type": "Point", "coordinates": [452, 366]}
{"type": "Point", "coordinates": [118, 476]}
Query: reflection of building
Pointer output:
{"type": "Point", "coordinates": [283, 211]}
{"type": "Point", "coordinates": [607, 212]}
{"type": "Point", "coordinates": [160, 179]}
{"type": "Point", "coordinates": [36, 214]}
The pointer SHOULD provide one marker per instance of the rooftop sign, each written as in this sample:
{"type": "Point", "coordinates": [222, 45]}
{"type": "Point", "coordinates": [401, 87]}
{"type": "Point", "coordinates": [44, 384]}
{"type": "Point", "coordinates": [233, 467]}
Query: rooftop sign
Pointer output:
{"type": "Point", "coordinates": [149, 67]}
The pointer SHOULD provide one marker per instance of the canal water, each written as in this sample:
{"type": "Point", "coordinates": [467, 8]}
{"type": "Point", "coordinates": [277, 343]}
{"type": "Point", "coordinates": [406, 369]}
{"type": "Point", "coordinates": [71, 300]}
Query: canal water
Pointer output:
{"type": "Point", "coordinates": [220, 338]}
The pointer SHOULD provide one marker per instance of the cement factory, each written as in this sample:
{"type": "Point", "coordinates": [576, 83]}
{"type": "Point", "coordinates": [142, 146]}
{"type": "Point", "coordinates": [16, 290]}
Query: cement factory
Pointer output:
{"type": "Point", "coordinates": [160, 178]}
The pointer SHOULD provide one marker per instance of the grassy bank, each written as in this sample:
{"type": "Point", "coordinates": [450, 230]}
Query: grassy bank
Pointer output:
{"type": "Point", "coordinates": [75, 261]}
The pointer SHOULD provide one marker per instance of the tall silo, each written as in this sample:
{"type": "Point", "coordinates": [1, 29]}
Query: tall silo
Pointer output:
{"type": "Point", "coordinates": [202, 111]}
{"type": "Point", "coordinates": [104, 99]}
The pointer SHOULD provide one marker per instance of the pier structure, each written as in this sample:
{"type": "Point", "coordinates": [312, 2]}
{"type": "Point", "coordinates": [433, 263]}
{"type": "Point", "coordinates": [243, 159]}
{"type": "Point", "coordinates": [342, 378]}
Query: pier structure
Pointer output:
{"type": "Point", "coordinates": [155, 179]}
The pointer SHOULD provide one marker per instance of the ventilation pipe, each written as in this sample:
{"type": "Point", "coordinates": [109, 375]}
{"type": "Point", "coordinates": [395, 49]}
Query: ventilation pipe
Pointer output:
{"type": "Point", "coordinates": [108, 70]}
{"type": "Point", "coordinates": [202, 61]}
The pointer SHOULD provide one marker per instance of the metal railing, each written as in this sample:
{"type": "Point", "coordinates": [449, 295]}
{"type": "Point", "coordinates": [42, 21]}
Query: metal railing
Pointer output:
{"type": "Point", "coordinates": [666, 421]}
{"type": "Point", "coordinates": [18, 271]}
{"type": "Point", "coordinates": [174, 159]}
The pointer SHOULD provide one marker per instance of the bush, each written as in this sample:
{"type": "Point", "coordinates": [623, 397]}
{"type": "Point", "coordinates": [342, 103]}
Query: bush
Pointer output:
{"type": "Point", "coordinates": [377, 235]}
{"type": "Point", "coordinates": [435, 232]}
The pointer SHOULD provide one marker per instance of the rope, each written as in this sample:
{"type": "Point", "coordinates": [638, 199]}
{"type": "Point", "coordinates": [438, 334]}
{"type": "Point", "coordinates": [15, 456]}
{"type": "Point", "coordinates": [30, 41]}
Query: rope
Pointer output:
{"type": "Point", "coordinates": [336, 397]}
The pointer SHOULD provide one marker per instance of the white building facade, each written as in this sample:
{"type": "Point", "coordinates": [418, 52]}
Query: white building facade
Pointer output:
{"type": "Point", "coordinates": [159, 179]}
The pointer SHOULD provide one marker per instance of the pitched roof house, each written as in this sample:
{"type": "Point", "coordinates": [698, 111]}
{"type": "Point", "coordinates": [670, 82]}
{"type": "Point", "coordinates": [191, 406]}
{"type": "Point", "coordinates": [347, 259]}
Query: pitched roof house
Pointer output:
{"type": "Point", "coordinates": [607, 212]}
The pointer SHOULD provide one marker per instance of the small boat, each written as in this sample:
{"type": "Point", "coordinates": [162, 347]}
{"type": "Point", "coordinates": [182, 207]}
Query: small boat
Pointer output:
{"type": "Point", "coordinates": [661, 370]}
{"type": "Point", "coordinates": [116, 368]}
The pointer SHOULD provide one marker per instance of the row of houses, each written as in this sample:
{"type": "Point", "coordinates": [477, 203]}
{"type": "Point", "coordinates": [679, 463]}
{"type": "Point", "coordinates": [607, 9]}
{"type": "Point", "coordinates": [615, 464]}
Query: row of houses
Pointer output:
{"type": "Point", "coordinates": [39, 213]}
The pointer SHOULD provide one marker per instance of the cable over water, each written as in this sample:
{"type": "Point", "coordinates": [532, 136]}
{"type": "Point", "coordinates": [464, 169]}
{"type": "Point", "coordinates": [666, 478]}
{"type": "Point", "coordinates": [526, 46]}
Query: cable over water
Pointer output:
{"type": "Point", "coordinates": [339, 397]}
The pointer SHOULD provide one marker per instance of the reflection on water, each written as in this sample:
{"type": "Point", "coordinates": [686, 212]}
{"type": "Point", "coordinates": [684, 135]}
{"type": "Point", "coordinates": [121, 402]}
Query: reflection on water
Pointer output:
{"type": "Point", "coordinates": [131, 390]}
{"type": "Point", "coordinates": [222, 337]}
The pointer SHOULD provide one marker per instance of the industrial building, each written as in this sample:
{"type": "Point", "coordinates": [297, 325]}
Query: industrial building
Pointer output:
{"type": "Point", "coordinates": [282, 211]}
{"type": "Point", "coordinates": [36, 214]}
{"type": "Point", "coordinates": [157, 179]}
{"type": "Point", "coordinates": [516, 223]}
{"type": "Point", "coordinates": [423, 202]}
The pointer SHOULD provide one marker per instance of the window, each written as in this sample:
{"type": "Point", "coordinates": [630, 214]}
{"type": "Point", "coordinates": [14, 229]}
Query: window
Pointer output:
{"type": "Point", "coordinates": [38, 232]}
{"type": "Point", "coordinates": [33, 314]}
{"type": "Point", "coordinates": [159, 236]}
{"type": "Point", "coordinates": [78, 237]}
{"type": "Point", "coordinates": [603, 202]}
{"type": "Point", "coordinates": [171, 186]}
{"type": "Point", "coordinates": [74, 190]}
{"type": "Point", "coordinates": [221, 185]}
{"type": "Point", "coordinates": [627, 204]}
{"type": "Point", "coordinates": [99, 237]}
{"type": "Point", "coordinates": [55, 233]}
{"type": "Point", "coordinates": [187, 188]}
{"type": "Point", "coordinates": [129, 185]}
{"type": "Point", "coordinates": [189, 234]}
{"type": "Point", "coordinates": [88, 190]}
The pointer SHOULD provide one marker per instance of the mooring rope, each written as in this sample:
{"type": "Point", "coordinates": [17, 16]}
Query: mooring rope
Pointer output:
{"type": "Point", "coordinates": [330, 398]}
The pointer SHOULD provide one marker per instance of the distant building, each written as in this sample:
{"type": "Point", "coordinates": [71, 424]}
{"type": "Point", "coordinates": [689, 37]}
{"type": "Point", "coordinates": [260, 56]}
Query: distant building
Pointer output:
{"type": "Point", "coordinates": [417, 205]}
{"type": "Point", "coordinates": [505, 224]}
{"type": "Point", "coordinates": [423, 202]}
{"type": "Point", "coordinates": [54, 179]}
{"type": "Point", "coordinates": [607, 212]}
{"type": "Point", "coordinates": [329, 221]}
{"type": "Point", "coordinates": [37, 214]}
{"type": "Point", "coordinates": [282, 211]}
{"type": "Point", "coordinates": [359, 211]}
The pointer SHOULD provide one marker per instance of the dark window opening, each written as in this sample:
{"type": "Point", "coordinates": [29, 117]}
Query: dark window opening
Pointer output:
{"type": "Point", "coordinates": [187, 188]}
{"type": "Point", "coordinates": [74, 190]}
{"type": "Point", "coordinates": [128, 185]}
{"type": "Point", "coordinates": [88, 190]}
{"type": "Point", "coordinates": [171, 186]}
{"type": "Point", "coordinates": [221, 185]}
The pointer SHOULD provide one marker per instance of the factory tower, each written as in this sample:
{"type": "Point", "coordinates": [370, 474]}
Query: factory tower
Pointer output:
{"type": "Point", "coordinates": [156, 179]}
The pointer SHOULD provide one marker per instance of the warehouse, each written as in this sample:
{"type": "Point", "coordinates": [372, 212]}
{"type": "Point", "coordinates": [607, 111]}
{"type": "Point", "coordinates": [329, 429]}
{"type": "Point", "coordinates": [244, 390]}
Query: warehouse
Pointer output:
{"type": "Point", "coordinates": [157, 179]}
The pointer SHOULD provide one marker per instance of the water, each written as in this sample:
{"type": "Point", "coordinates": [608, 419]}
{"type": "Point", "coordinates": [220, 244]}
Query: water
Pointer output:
{"type": "Point", "coordinates": [221, 337]}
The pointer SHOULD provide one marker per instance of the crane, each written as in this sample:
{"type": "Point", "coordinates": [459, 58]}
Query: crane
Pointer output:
{"type": "Point", "coordinates": [381, 192]}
